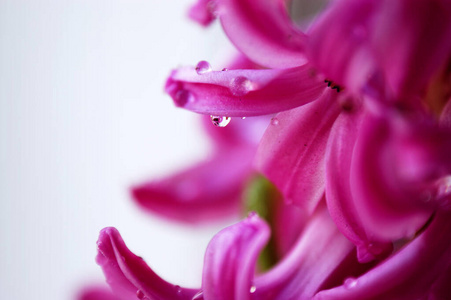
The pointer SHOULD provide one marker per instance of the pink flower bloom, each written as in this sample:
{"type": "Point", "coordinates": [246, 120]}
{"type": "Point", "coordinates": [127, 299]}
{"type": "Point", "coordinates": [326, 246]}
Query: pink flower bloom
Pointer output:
{"type": "Point", "coordinates": [360, 152]}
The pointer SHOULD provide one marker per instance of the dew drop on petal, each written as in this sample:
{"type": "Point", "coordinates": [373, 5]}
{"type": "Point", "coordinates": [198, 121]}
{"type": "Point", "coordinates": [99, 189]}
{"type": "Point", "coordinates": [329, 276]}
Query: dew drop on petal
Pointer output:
{"type": "Point", "coordinates": [242, 118]}
{"type": "Point", "coordinates": [274, 121]}
{"type": "Point", "coordinates": [203, 67]}
{"type": "Point", "coordinates": [350, 283]}
{"type": "Point", "coordinates": [178, 289]}
{"type": "Point", "coordinates": [199, 295]}
{"type": "Point", "coordinates": [253, 289]}
{"type": "Point", "coordinates": [140, 294]}
{"type": "Point", "coordinates": [183, 97]}
{"type": "Point", "coordinates": [240, 86]}
{"type": "Point", "coordinates": [219, 121]}
{"type": "Point", "coordinates": [225, 69]}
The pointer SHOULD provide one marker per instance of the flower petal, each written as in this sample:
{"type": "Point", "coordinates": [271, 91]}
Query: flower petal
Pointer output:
{"type": "Point", "coordinates": [128, 274]}
{"type": "Point", "coordinates": [394, 162]}
{"type": "Point", "coordinates": [240, 93]}
{"type": "Point", "coordinates": [317, 253]}
{"type": "Point", "coordinates": [402, 43]}
{"type": "Point", "coordinates": [339, 198]}
{"type": "Point", "coordinates": [202, 12]}
{"type": "Point", "coordinates": [96, 293]}
{"type": "Point", "coordinates": [291, 153]}
{"type": "Point", "coordinates": [204, 192]}
{"type": "Point", "coordinates": [409, 274]}
{"type": "Point", "coordinates": [230, 260]}
{"type": "Point", "coordinates": [263, 31]}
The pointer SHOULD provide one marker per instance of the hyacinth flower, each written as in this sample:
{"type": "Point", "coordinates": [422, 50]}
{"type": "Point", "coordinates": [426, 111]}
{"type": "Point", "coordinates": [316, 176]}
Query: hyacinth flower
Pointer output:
{"type": "Point", "coordinates": [374, 146]}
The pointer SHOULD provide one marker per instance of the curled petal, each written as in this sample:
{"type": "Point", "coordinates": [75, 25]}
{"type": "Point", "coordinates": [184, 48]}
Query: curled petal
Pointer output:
{"type": "Point", "coordinates": [239, 93]}
{"type": "Point", "coordinates": [339, 198]}
{"type": "Point", "coordinates": [230, 260]}
{"type": "Point", "coordinates": [129, 276]}
{"type": "Point", "coordinates": [202, 12]}
{"type": "Point", "coordinates": [318, 252]}
{"type": "Point", "coordinates": [205, 192]}
{"type": "Point", "coordinates": [417, 271]}
{"type": "Point", "coordinates": [394, 174]}
{"type": "Point", "coordinates": [263, 31]}
{"type": "Point", "coordinates": [291, 153]}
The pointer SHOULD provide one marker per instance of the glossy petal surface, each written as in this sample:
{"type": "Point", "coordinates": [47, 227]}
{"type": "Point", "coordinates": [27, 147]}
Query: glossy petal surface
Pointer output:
{"type": "Point", "coordinates": [242, 93]}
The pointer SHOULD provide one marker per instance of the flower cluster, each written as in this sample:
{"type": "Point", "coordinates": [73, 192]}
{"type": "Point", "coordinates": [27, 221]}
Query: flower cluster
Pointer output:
{"type": "Point", "coordinates": [345, 167]}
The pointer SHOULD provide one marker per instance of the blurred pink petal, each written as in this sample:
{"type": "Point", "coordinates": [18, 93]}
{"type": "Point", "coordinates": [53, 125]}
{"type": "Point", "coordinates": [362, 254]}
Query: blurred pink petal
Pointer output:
{"type": "Point", "coordinates": [242, 93]}
{"type": "Point", "coordinates": [96, 293]}
{"type": "Point", "coordinates": [340, 200]}
{"type": "Point", "coordinates": [202, 12]}
{"type": "Point", "coordinates": [291, 153]}
{"type": "Point", "coordinates": [204, 192]}
{"type": "Point", "coordinates": [408, 274]}
{"type": "Point", "coordinates": [263, 31]}
{"type": "Point", "coordinates": [402, 43]}
{"type": "Point", "coordinates": [129, 276]}
{"type": "Point", "coordinates": [396, 172]}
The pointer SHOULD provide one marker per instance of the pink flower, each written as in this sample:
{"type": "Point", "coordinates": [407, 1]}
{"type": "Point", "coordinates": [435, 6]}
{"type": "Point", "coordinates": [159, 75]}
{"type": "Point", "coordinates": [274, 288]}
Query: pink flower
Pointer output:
{"type": "Point", "coordinates": [360, 153]}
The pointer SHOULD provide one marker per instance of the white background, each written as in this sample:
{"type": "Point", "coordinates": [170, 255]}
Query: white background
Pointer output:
{"type": "Point", "coordinates": [82, 117]}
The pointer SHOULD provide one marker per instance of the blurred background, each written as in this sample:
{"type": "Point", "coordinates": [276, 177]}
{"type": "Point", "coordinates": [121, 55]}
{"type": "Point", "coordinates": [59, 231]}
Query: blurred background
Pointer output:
{"type": "Point", "coordinates": [83, 116]}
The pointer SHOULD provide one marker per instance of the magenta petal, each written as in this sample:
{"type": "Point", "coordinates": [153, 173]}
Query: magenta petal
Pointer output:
{"type": "Point", "coordinates": [391, 206]}
{"type": "Point", "coordinates": [317, 253]}
{"type": "Point", "coordinates": [205, 192]}
{"type": "Point", "coordinates": [230, 260]}
{"type": "Point", "coordinates": [129, 276]}
{"type": "Point", "coordinates": [409, 274]}
{"type": "Point", "coordinates": [340, 201]}
{"type": "Point", "coordinates": [402, 43]}
{"type": "Point", "coordinates": [239, 93]}
{"type": "Point", "coordinates": [96, 293]}
{"type": "Point", "coordinates": [202, 12]}
{"type": "Point", "coordinates": [291, 153]}
{"type": "Point", "coordinates": [338, 43]}
{"type": "Point", "coordinates": [411, 41]}
{"type": "Point", "coordinates": [263, 31]}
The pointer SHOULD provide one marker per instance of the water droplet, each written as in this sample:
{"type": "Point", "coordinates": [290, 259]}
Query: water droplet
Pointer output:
{"type": "Point", "coordinates": [183, 97]}
{"type": "Point", "coordinates": [240, 86]}
{"type": "Point", "coordinates": [199, 295]}
{"type": "Point", "coordinates": [274, 121]}
{"type": "Point", "coordinates": [203, 67]}
{"type": "Point", "coordinates": [178, 289]}
{"type": "Point", "coordinates": [140, 294]}
{"type": "Point", "coordinates": [242, 118]}
{"type": "Point", "coordinates": [225, 69]}
{"type": "Point", "coordinates": [220, 121]}
{"type": "Point", "coordinates": [253, 289]}
{"type": "Point", "coordinates": [350, 282]}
